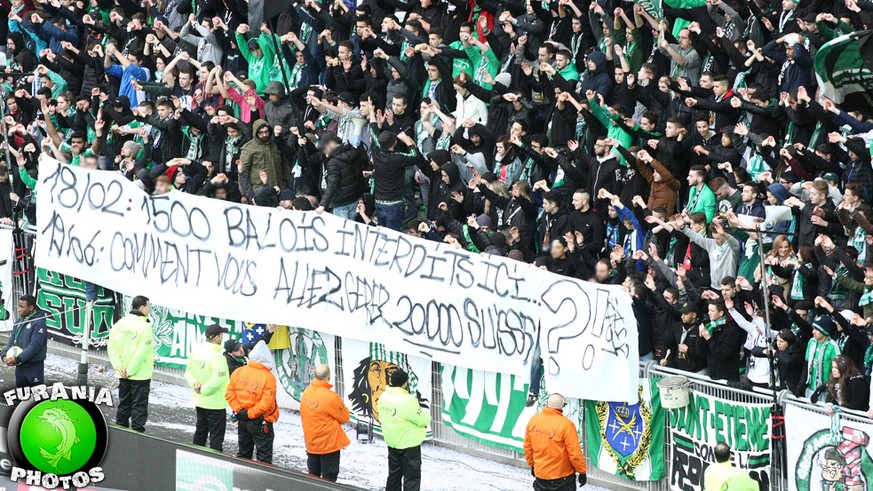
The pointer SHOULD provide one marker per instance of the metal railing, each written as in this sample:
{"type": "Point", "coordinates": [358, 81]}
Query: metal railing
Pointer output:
{"type": "Point", "coordinates": [24, 282]}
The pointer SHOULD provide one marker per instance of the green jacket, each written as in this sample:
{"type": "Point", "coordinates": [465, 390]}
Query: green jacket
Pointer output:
{"type": "Point", "coordinates": [259, 68]}
{"type": "Point", "coordinates": [60, 84]}
{"type": "Point", "coordinates": [208, 367]}
{"type": "Point", "coordinates": [131, 347]}
{"type": "Point", "coordinates": [706, 203]}
{"type": "Point", "coordinates": [404, 421]}
{"type": "Point", "coordinates": [613, 130]}
{"type": "Point", "coordinates": [483, 62]}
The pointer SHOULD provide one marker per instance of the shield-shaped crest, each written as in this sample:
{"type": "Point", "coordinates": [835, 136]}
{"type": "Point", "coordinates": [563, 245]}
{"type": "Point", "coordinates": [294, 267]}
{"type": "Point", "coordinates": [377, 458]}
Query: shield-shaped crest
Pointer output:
{"type": "Point", "coordinates": [626, 432]}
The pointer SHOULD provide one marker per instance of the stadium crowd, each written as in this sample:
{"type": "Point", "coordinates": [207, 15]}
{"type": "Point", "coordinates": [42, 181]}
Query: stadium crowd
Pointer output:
{"type": "Point", "coordinates": [609, 141]}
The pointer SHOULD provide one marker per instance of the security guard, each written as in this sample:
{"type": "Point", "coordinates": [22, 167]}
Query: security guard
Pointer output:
{"type": "Point", "coordinates": [552, 450]}
{"type": "Point", "coordinates": [207, 374]}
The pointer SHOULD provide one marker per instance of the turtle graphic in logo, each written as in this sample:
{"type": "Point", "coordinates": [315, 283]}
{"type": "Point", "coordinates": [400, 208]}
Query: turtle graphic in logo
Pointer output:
{"type": "Point", "coordinates": [296, 365]}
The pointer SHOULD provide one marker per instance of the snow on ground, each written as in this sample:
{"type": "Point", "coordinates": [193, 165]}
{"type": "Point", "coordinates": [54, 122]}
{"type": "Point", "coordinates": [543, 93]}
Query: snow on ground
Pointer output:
{"type": "Point", "coordinates": [171, 416]}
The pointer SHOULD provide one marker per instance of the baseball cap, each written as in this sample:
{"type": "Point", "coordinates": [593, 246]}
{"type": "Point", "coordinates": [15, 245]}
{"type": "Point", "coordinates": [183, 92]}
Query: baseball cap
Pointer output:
{"type": "Point", "coordinates": [232, 345]}
{"type": "Point", "coordinates": [254, 44]}
{"type": "Point", "coordinates": [830, 176]}
{"type": "Point", "coordinates": [215, 330]}
{"type": "Point", "coordinates": [687, 308]}
{"type": "Point", "coordinates": [346, 97]}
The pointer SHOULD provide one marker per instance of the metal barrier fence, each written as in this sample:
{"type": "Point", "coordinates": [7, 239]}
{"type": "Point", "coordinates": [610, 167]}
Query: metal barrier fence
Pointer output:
{"type": "Point", "coordinates": [24, 282]}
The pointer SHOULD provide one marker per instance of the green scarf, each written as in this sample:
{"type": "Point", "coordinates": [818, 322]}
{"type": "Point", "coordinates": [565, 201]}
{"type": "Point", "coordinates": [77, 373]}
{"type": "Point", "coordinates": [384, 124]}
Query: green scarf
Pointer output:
{"type": "Point", "coordinates": [715, 324]}
{"type": "Point", "coordinates": [866, 297]}
{"type": "Point", "coordinates": [820, 355]}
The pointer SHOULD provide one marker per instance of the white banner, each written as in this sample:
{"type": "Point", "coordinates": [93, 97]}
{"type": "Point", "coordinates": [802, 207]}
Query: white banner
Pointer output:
{"type": "Point", "coordinates": [7, 258]}
{"type": "Point", "coordinates": [419, 297]}
{"type": "Point", "coordinates": [822, 455]}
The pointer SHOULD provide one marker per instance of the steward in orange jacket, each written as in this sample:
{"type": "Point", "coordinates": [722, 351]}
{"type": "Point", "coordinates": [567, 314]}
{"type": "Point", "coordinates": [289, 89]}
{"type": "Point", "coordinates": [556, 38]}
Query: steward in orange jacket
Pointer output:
{"type": "Point", "coordinates": [323, 414]}
{"type": "Point", "coordinates": [251, 394]}
{"type": "Point", "coordinates": [551, 447]}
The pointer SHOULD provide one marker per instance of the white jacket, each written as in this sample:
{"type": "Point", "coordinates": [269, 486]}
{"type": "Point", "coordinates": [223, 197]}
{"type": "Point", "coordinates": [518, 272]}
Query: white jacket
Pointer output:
{"type": "Point", "coordinates": [471, 108]}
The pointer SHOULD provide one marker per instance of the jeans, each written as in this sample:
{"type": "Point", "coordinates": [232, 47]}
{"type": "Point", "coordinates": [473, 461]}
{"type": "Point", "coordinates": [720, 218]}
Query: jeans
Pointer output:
{"type": "Point", "coordinates": [325, 466]}
{"type": "Point", "coordinates": [256, 435]}
{"type": "Point", "coordinates": [536, 371]}
{"type": "Point", "coordinates": [390, 216]}
{"type": "Point", "coordinates": [346, 211]}
{"type": "Point", "coordinates": [404, 469]}
{"type": "Point", "coordinates": [211, 423]}
{"type": "Point", "coordinates": [133, 403]}
{"type": "Point", "coordinates": [90, 292]}
{"type": "Point", "coordinates": [648, 357]}
{"type": "Point", "coordinates": [30, 375]}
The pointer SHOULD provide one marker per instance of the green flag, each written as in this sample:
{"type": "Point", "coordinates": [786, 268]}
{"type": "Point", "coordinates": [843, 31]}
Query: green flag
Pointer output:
{"type": "Point", "coordinates": [842, 73]}
{"type": "Point", "coordinates": [628, 439]}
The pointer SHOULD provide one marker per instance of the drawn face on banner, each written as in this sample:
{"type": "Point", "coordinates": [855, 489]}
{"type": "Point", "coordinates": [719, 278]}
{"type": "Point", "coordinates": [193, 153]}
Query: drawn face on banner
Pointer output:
{"type": "Point", "coordinates": [370, 381]}
{"type": "Point", "coordinates": [829, 464]}
{"type": "Point", "coordinates": [378, 376]}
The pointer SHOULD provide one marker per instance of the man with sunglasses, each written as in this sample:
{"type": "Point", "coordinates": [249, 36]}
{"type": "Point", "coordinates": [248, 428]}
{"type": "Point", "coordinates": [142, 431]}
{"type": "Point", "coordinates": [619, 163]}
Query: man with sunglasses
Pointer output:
{"type": "Point", "coordinates": [551, 447]}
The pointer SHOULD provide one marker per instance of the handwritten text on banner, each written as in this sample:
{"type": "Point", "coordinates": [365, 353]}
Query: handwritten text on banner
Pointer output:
{"type": "Point", "coordinates": [423, 298]}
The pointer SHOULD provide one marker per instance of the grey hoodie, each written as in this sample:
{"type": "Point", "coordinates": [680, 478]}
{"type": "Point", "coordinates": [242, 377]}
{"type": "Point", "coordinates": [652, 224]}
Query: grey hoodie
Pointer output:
{"type": "Point", "coordinates": [261, 354]}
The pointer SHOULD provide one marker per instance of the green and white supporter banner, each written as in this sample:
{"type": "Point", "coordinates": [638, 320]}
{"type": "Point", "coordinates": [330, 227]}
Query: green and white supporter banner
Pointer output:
{"type": "Point", "coordinates": [62, 298]}
{"type": "Point", "coordinates": [695, 430]}
{"type": "Point", "coordinates": [177, 334]}
{"type": "Point", "coordinates": [490, 407]}
{"type": "Point", "coordinates": [628, 439]}
{"type": "Point", "coordinates": [826, 453]}
{"type": "Point", "coordinates": [485, 406]}
{"type": "Point", "coordinates": [295, 366]}
{"type": "Point", "coordinates": [842, 73]}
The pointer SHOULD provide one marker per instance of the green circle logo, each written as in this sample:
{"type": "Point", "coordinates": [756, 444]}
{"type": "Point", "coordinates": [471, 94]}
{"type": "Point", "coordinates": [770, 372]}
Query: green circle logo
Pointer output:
{"type": "Point", "coordinates": [58, 437]}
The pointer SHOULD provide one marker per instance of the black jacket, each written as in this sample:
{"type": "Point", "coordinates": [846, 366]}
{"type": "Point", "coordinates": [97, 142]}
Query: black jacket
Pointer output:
{"type": "Point", "coordinates": [31, 336]}
{"type": "Point", "coordinates": [345, 181]}
{"type": "Point", "coordinates": [789, 363]}
{"type": "Point", "coordinates": [723, 351]}
{"type": "Point", "coordinates": [856, 394]}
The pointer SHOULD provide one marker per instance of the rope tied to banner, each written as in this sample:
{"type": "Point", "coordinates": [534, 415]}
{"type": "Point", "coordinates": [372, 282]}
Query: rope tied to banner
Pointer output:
{"type": "Point", "coordinates": [778, 423]}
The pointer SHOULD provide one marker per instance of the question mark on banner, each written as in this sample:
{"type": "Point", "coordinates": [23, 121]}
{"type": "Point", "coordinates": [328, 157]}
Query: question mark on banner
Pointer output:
{"type": "Point", "coordinates": [567, 324]}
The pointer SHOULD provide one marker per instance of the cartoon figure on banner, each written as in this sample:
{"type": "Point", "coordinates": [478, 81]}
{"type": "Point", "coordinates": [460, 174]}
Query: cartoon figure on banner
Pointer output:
{"type": "Point", "coordinates": [626, 432]}
{"type": "Point", "coordinates": [835, 460]}
{"type": "Point", "coordinates": [296, 365]}
{"type": "Point", "coordinates": [371, 378]}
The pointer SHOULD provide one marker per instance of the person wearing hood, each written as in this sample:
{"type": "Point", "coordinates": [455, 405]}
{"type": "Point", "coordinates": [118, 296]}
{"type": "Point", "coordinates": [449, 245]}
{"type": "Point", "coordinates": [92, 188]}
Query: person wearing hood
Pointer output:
{"type": "Point", "coordinates": [251, 394]}
{"type": "Point", "coordinates": [444, 180]}
{"type": "Point", "coordinates": [597, 79]}
{"type": "Point", "coordinates": [261, 154]}
{"type": "Point", "coordinates": [259, 55]}
{"type": "Point", "coordinates": [207, 374]}
{"type": "Point", "coordinates": [279, 109]}
{"type": "Point", "coordinates": [131, 352]}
